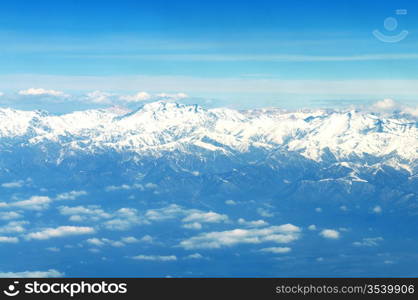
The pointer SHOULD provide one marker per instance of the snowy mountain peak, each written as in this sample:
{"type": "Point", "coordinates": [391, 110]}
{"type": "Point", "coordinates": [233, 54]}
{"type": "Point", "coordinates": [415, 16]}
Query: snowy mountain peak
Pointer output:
{"type": "Point", "coordinates": [165, 126]}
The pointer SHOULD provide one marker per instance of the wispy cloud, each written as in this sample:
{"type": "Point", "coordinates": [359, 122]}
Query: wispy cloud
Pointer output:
{"type": "Point", "coordinates": [33, 203]}
{"type": "Point", "coordinates": [369, 242]}
{"type": "Point", "coordinates": [257, 223]}
{"type": "Point", "coordinates": [13, 184]}
{"type": "Point", "coordinates": [205, 217]}
{"type": "Point", "coordinates": [93, 212]}
{"type": "Point", "coordinates": [42, 92]}
{"type": "Point", "coordinates": [8, 239]}
{"type": "Point", "coordinates": [330, 234]}
{"type": "Point", "coordinates": [104, 241]}
{"type": "Point", "coordinates": [70, 195]}
{"type": "Point", "coordinates": [14, 227]}
{"type": "Point", "coordinates": [258, 57]}
{"type": "Point", "coordinates": [213, 240]}
{"type": "Point", "coordinates": [10, 215]}
{"type": "Point", "coordinates": [276, 250]}
{"type": "Point", "coordinates": [32, 274]}
{"type": "Point", "coordinates": [138, 97]}
{"type": "Point", "coordinates": [99, 242]}
{"type": "Point", "coordinates": [155, 257]}
{"type": "Point", "coordinates": [61, 231]}
{"type": "Point", "coordinates": [194, 256]}
{"type": "Point", "coordinates": [125, 218]}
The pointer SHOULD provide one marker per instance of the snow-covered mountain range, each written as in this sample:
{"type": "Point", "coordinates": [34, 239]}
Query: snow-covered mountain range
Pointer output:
{"type": "Point", "coordinates": [194, 153]}
{"type": "Point", "coordinates": [161, 127]}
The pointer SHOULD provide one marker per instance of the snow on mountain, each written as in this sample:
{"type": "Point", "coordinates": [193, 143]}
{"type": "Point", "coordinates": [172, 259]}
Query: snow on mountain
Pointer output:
{"type": "Point", "coordinates": [165, 126]}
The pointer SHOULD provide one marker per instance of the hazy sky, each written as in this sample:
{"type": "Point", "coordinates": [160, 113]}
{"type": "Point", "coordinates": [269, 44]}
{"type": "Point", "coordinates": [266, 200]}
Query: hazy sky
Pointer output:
{"type": "Point", "coordinates": [237, 53]}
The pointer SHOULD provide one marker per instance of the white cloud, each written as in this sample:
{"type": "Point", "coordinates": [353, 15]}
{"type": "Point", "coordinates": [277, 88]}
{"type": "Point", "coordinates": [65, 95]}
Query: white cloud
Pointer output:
{"type": "Point", "coordinates": [144, 96]}
{"type": "Point", "coordinates": [53, 249]}
{"type": "Point", "coordinates": [278, 234]}
{"type": "Point", "coordinates": [390, 106]}
{"type": "Point", "coordinates": [343, 208]}
{"type": "Point", "coordinates": [82, 213]}
{"type": "Point", "coordinates": [169, 212]}
{"type": "Point", "coordinates": [8, 239]}
{"type": "Point", "coordinates": [330, 234]}
{"type": "Point", "coordinates": [205, 217]}
{"type": "Point", "coordinates": [124, 219]}
{"type": "Point", "coordinates": [155, 257]}
{"type": "Point", "coordinates": [70, 195]}
{"type": "Point", "coordinates": [14, 227]}
{"type": "Point", "coordinates": [32, 274]}
{"type": "Point", "coordinates": [73, 210]}
{"type": "Point", "coordinates": [195, 226]}
{"type": "Point", "coordinates": [60, 231]}
{"type": "Point", "coordinates": [76, 218]}
{"type": "Point", "coordinates": [119, 224]}
{"type": "Point", "coordinates": [98, 97]}
{"type": "Point", "coordinates": [129, 240]}
{"type": "Point", "coordinates": [147, 239]}
{"type": "Point", "coordinates": [95, 242]}
{"type": "Point", "coordinates": [118, 187]}
{"type": "Point", "coordinates": [41, 92]}
{"type": "Point", "coordinates": [312, 227]}
{"type": "Point", "coordinates": [115, 243]}
{"type": "Point", "coordinates": [9, 215]}
{"type": "Point", "coordinates": [13, 184]}
{"type": "Point", "coordinates": [257, 223]}
{"type": "Point", "coordinates": [193, 217]}
{"type": "Point", "coordinates": [369, 242]}
{"type": "Point", "coordinates": [150, 185]}
{"type": "Point", "coordinates": [277, 250]}
{"type": "Point", "coordinates": [194, 256]}
{"type": "Point", "coordinates": [413, 111]}
{"type": "Point", "coordinates": [264, 213]}
{"type": "Point", "coordinates": [230, 202]}
{"type": "Point", "coordinates": [103, 241]}
{"type": "Point", "coordinates": [33, 203]}
{"type": "Point", "coordinates": [385, 105]}
{"type": "Point", "coordinates": [377, 209]}
{"type": "Point", "coordinates": [174, 97]}
{"type": "Point", "coordinates": [126, 187]}
{"type": "Point", "coordinates": [138, 97]}
{"type": "Point", "coordinates": [127, 212]}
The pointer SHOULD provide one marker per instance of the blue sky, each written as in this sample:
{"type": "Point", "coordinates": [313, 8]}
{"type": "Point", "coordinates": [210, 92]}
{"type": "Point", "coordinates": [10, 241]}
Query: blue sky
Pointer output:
{"type": "Point", "coordinates": [238, 53]}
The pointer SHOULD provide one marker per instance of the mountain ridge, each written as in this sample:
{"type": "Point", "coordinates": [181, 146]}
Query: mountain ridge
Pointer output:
{"type": "Point", "coordinates": [161, 127]}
